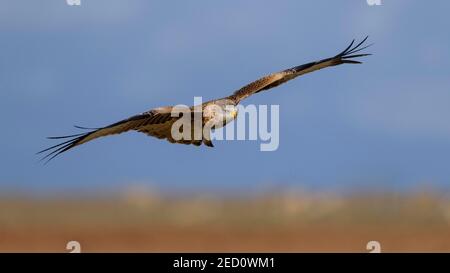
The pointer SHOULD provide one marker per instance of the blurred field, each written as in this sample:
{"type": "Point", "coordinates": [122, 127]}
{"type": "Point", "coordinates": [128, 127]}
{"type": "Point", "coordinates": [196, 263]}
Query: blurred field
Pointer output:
{"type": "Point", "coordinates": [293, 221]}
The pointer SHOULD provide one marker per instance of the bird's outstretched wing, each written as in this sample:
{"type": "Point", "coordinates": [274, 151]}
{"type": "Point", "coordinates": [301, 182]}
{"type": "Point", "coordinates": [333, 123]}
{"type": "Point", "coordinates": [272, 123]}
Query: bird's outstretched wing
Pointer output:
{"type": "Point", "coordinates": [156, 122]}
{"type": "Point", "coordinates": [275, 79]}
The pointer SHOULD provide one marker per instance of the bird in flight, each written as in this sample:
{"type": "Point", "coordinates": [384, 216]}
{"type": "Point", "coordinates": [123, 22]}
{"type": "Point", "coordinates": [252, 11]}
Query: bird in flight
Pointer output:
{"type": "Point", "coordinates": [216, 113]}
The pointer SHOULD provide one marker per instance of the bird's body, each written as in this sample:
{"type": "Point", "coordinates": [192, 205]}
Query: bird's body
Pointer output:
{"type": "Point", "coordinates": [160, 121]}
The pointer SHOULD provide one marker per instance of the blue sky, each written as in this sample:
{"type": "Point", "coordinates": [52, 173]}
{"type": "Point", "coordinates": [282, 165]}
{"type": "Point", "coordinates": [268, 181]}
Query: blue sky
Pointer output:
{"type": "Point", "coordinates": [382, 124]}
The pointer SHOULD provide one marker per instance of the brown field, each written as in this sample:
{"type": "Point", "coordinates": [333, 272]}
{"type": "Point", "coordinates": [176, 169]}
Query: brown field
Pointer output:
{"type": "Point", "coordinates": [286, 222]}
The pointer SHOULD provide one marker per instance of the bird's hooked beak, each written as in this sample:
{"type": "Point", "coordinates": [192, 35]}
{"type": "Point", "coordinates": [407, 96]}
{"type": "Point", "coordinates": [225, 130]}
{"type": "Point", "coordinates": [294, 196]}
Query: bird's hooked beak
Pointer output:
{"type": "Point", "coordinates": [234, 113]}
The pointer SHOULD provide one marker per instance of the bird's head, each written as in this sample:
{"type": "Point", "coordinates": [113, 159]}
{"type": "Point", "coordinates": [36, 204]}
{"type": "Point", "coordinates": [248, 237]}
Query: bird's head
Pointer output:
{"type": "Point", "coordinates": [231, 111]}
{"type": "Point", "coordinates": [221, 112]}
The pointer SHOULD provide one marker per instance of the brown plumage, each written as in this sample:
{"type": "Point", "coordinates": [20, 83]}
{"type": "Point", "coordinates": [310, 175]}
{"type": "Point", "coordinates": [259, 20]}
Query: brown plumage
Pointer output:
{"type": "Point", "coordinates": [275, 79]}
{"type": "Point", "coordinates": [158, 122]}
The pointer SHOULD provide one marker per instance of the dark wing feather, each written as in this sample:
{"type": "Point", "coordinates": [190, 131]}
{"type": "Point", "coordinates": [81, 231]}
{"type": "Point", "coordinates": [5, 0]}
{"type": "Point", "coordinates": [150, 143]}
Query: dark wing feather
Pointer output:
{"type": "Point", "coordinates": [152, 118]}
{"type": "Point", "coordinates": [275, 79]}
{"type": "Point", "coordinates": [163, 130]}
